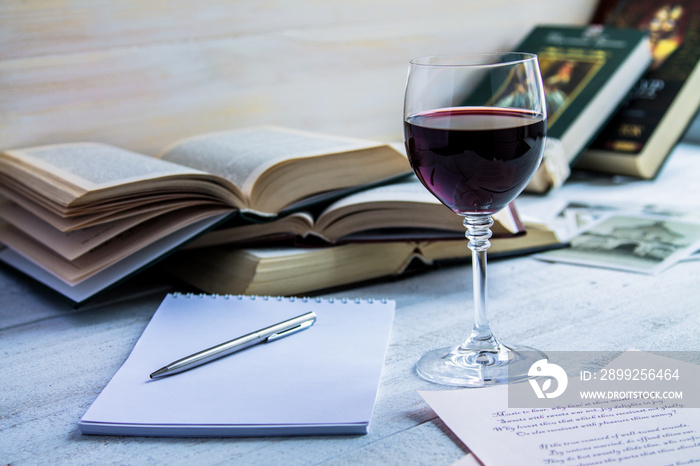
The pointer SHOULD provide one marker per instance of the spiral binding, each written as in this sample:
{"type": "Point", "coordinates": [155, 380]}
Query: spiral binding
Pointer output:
{"type": "Point", "coordinates": [304, 299]}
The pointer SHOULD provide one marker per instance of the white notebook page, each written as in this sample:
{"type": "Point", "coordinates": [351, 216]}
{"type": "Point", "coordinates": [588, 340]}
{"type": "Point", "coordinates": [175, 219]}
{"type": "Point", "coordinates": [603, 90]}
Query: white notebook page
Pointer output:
{"type": "Point", "coordinates": [327, 375]}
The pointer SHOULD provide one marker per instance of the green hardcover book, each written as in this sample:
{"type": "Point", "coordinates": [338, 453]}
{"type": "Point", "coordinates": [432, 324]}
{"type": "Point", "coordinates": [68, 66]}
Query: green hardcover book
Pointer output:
{"type": "Point", "coordinates": [587, 72]}
{"type": "Point", "coordinates": [640, 137]}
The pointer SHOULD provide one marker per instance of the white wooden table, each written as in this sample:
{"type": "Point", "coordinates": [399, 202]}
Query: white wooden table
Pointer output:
{"type": "Point", "coordinates": [54, 359]}
{"type": "Point", "coordinates": [142, 76]}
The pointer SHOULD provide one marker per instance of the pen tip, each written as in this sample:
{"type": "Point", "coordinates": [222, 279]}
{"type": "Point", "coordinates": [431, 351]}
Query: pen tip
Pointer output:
{"type": "Point", "coordinates": [159, 373]}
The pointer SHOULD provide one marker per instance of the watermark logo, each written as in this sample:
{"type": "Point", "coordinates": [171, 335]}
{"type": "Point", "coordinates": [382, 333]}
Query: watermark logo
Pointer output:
{"type": "Point", "coordinates": [654, 382]}
{"type": "Point", "coordinates": [549, 371]}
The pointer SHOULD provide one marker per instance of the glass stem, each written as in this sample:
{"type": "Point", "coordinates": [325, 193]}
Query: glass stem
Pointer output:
{"type": "Point", "coordinates": [478, 233]}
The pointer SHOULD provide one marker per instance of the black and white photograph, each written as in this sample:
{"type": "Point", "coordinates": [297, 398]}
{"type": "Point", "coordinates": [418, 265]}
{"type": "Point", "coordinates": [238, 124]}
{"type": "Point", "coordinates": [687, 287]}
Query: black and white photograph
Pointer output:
{"type": "Point", "coordinates": [638, 243]}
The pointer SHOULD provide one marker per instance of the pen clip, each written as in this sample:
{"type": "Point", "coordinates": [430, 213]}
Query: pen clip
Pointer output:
{"type": "Point", "coordinates": [289, 331]}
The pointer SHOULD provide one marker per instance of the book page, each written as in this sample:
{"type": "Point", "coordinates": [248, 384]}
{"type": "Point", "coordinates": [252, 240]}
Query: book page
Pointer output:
{"type": "Point", "coordinates": [241, 155]}
{"type": "Point", "coordinates": [636, 432]}
{"type": "Point", "coordinates": [107, 253]}
{"type": "Point", "coordinates": [118, 210]}
{"type": "Point", "coordinates": [113, 274]}
{"type": "Point", "coordinates": [410, 190]}
{"type": "Point", "coordinates": [91, 166]}
{"type": "Point", "coordinates": [72, 179]}
{"type": "Point", "coordinates": [69, 244]}
{"type": "Point", "coordinates": [404, 204]}
{"type": "Point", "coordinates": [73, 244]}
{"type": "Point", "coordinates": [289, 226]}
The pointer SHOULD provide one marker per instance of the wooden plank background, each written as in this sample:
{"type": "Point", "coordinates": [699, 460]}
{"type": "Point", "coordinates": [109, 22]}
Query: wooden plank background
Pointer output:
{"type": "Point", "coordinates": [141, 74]}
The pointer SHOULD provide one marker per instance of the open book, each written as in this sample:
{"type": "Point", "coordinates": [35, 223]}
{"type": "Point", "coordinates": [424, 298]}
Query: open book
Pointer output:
{"type": "Point", "coordinates": [294, 271]}
{"type": "Point", "coordinates": [83, 211]}
{"type": "Point", "coordinates": [394, 211]}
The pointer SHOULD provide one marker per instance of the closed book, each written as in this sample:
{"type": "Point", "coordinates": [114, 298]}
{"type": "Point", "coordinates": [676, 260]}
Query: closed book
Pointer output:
{"type": "Point", "coordinates": [294, 271]}
{"type": "Point", "coordinates": [642, 134]}
{"type": "Point", "coordinates": [587, 72]}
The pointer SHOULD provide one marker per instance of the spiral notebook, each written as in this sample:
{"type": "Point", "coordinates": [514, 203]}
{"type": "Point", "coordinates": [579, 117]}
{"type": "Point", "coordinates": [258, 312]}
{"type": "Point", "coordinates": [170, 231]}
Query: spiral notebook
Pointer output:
{"type": "Point", "coordinates": [323, 380]}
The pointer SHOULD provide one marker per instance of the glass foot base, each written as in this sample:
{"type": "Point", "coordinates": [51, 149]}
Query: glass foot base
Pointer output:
{"type": "Point", "coordinates": [478, 368]}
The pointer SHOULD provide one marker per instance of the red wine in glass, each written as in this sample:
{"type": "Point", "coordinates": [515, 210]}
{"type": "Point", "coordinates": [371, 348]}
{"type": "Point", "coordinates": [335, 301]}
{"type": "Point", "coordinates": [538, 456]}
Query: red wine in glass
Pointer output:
{"type": "Point", "coordinates": [475, 160]}
{"type": "Point", "coordinates": [475, 130]}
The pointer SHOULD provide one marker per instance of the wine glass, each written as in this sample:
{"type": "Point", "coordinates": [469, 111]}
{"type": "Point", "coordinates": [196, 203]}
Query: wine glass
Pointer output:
{"type": "Point", "coordinates": [475, 128]}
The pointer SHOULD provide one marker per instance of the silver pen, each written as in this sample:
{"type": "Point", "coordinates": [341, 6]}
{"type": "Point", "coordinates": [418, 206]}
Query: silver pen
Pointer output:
{"type": "Point", "coordinates": [265, 335]}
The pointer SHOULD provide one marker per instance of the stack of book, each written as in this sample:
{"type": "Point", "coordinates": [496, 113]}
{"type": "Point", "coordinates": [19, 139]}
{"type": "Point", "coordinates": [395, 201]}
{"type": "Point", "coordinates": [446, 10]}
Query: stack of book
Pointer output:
{"type": "Point", "coordinates": [312, 210]}
{"type": "Point", "coordinates": [639, 137]}
{"type": "Point", "coordinates": [620, 92]}
{"type": "Point", "coordinates": [282, 212]}
{"type": "Point", "coordinates": [587, 71]}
